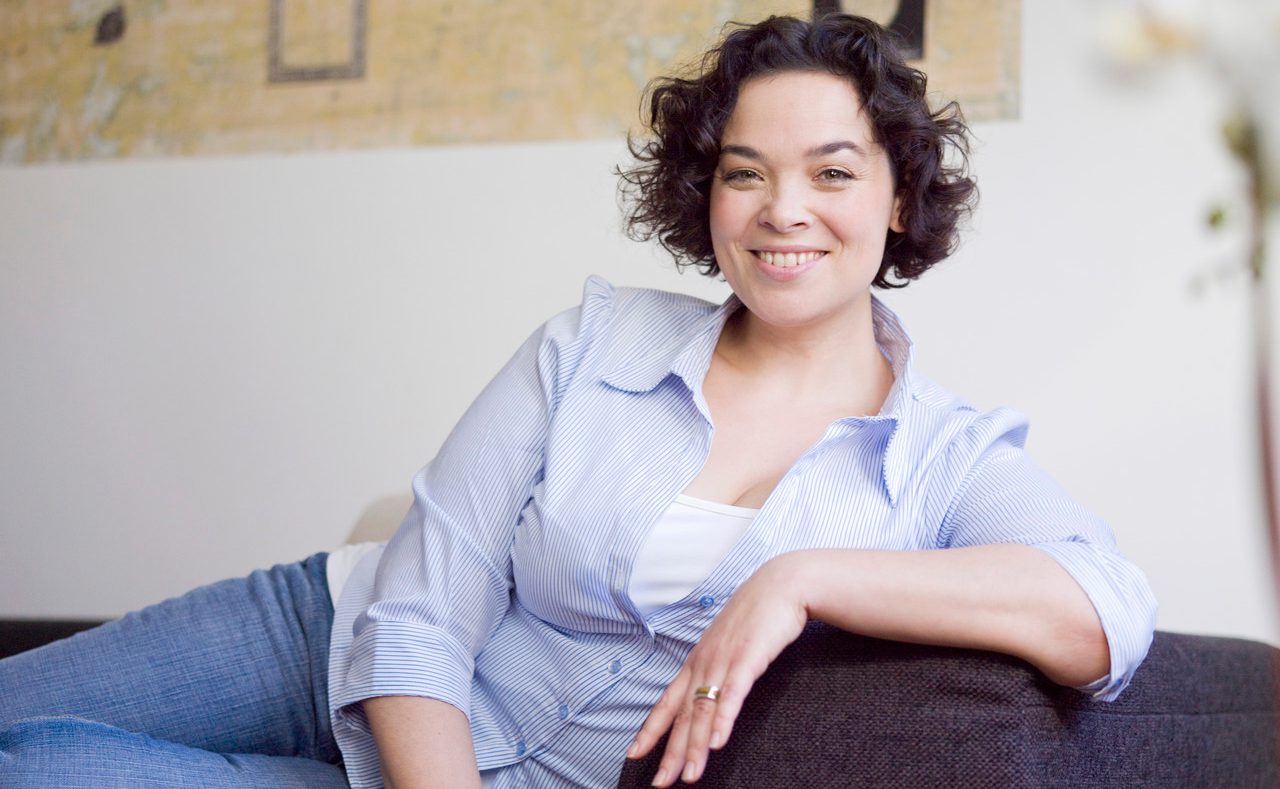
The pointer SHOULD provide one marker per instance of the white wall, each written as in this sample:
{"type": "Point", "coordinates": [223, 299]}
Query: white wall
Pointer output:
{"type": "Point", "coordinates": [213, 365]}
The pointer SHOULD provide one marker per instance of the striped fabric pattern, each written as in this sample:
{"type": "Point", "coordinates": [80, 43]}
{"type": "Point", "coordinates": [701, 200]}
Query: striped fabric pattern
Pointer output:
{"type": "Point", "coordinates": [505, 591]}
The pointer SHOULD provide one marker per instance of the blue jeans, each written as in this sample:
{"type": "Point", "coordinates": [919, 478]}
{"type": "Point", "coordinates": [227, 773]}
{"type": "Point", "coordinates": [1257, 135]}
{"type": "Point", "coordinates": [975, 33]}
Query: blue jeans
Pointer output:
{"type": "Point", "coordinates": [226, 686]}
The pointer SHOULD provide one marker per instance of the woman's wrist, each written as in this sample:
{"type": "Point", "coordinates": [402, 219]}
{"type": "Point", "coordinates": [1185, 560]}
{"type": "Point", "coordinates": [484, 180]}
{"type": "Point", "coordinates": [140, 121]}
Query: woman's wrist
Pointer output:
{"type": "Point", "coordinates": [796, 575]}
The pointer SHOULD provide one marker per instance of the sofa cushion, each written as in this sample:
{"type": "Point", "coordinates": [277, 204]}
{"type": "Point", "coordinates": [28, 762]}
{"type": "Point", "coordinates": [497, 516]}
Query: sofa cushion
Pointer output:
{"type": "Point", "coordinates": [837, 709]}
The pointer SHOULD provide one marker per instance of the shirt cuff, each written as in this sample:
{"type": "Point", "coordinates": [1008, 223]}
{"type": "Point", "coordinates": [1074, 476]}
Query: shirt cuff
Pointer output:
{"type": "Point", "coordinates": [406, 659]}
{"type": "Point", "coordinates": [1123, 601]}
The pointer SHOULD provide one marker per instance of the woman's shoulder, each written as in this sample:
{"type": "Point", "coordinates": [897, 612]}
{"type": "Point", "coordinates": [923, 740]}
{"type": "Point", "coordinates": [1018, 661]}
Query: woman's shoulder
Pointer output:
{"type": "Point", "coordinates": [962, 431]}
{"type": "Point", "coordinates": [644, 301]}
{"type": "Point", "coordinates": [617, 330]}
{"type": "Point", "coordinates": [636, 313]}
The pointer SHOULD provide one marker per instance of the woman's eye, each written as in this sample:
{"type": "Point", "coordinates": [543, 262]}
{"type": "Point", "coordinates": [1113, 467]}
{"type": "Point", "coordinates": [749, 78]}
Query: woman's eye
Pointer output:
{"type": "Point", "coordinates": [834, 175]}
{"type": "Point", "coordinates": [740, 176]}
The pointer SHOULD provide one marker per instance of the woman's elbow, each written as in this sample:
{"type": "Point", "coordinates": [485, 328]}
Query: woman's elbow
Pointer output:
{"type": "Point", "coordinates": [1075, 653]}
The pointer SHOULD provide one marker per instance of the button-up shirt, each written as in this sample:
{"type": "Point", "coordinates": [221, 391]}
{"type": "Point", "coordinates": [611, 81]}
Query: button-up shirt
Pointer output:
{"type": "Point", "coordinates": [505, 591]}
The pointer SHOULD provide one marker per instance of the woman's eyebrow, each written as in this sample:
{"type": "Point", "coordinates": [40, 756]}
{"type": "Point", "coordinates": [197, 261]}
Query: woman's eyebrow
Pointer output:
{"type": "Point", "coordinates": [835, 147]}
{"type": "Point", "coordinates": [741, 150]}
{"type": "Point", "coordinates": [821, 150]}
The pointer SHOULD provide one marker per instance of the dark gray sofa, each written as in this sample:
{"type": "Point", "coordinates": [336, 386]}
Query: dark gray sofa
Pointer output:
{"type": "Point", "coordinates": [839, 710]}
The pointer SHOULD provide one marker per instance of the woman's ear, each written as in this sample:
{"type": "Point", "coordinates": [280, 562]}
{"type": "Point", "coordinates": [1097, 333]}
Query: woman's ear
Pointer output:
{"type": "Point", "coordinates": [895, 219]}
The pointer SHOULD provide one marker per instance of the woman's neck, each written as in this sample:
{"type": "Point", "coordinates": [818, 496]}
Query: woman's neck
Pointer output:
{"type": "Point", "coordinates": [834, 361]}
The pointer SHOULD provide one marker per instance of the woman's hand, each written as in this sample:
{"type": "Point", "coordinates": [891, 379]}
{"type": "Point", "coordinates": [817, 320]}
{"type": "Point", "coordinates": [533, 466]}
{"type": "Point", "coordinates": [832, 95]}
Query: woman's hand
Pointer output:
{"type": "Point", "coordinates": [1013, 599]}
{"type": "Point", "coordinates": [762, 617]}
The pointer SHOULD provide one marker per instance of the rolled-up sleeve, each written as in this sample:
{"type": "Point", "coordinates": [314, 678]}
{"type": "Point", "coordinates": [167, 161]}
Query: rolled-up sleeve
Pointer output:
{"type": "Point", "coordinates": [1003, 497]}
{"type": "Point", "coordinates": [444, 580]}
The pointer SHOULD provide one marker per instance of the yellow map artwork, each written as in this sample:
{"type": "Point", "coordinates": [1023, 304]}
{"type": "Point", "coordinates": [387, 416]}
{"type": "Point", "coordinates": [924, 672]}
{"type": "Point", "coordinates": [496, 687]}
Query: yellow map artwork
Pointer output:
{"type": "Point", "coordinates": [94, 79]}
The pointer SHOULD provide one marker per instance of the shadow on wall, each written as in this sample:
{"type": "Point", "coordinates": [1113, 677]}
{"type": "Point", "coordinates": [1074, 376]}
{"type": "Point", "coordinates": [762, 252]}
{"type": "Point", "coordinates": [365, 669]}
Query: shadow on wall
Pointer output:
{"type": "Point", "coordinates": [380, 519]}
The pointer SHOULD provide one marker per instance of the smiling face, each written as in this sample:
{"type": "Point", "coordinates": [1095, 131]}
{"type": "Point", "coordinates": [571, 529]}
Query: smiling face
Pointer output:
{"type": "Point", "coordinates": [801, 201]}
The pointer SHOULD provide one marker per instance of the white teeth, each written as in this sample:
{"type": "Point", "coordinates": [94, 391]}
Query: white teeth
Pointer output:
{"type": "Point", "coordinates": [788, 259]}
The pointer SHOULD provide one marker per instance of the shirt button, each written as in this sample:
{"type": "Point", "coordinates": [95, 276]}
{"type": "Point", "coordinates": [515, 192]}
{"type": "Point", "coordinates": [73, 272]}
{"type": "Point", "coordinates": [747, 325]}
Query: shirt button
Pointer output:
{"type": "Point", "coordinates": [520, 749]}
{"type": "Point", "coordinates": [615, 667]}
{"type": "Point", "coordinates": [563, 712]}
{"type": "Point", "coordinates": [706, 601]}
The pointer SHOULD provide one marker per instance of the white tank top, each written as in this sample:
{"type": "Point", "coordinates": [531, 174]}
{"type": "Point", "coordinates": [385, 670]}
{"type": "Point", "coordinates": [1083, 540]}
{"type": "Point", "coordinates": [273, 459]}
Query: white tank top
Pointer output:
{"type": "Point", "coordinates": [685, 545]}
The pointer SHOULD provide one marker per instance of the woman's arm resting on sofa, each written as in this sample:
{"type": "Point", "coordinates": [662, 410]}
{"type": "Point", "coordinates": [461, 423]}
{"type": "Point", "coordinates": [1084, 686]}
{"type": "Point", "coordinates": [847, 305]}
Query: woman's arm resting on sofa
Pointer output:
{"type": "Point", "coordinates": [1013, 599]}
{"type": "Point", "coordinates": [1006, 598]}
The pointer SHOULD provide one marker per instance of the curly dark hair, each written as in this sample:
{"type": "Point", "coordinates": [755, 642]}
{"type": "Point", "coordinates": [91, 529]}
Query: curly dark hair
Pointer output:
{"type": "Point", "coordinates": [668, 190]}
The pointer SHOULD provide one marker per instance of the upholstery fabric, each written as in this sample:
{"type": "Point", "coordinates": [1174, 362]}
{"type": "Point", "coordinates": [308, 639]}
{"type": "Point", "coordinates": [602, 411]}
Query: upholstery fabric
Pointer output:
{"type": "Point", "coordinates": [840, 710]}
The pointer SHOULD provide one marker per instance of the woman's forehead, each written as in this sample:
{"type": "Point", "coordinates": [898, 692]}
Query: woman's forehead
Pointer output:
{"type": "Point", "coordinates": [806, 112]}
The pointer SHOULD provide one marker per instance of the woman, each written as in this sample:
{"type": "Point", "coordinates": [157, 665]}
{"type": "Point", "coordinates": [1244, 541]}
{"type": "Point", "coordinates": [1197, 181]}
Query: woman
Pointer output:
{"type": "Point", "coordinates": [652, 497]}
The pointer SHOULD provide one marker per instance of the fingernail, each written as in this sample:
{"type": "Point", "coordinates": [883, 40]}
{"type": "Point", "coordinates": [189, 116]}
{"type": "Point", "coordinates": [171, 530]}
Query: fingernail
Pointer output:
{"type": "Point", "coordinates": [661, 777]}
{"type": "Point", "coordinates": [717, 738]}
{"type": "Point", "coordinates": [690, 770]}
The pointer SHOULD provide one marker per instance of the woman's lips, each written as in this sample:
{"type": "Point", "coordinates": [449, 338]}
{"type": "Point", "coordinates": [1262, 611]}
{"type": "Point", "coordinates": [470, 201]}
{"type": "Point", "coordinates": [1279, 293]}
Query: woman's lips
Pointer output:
{"type": "Point", "coordinates": [784, 266]}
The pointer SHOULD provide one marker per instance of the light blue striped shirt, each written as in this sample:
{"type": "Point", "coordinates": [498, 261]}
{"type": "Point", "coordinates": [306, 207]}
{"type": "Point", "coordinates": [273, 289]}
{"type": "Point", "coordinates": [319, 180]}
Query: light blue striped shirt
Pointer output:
{"type": "Point", "coordinates": [505, 591]}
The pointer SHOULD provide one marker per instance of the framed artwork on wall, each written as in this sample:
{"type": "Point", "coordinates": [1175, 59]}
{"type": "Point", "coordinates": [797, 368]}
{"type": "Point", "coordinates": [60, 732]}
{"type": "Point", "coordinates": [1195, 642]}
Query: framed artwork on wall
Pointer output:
{"type": "Point", "coordinates": [101, 79]}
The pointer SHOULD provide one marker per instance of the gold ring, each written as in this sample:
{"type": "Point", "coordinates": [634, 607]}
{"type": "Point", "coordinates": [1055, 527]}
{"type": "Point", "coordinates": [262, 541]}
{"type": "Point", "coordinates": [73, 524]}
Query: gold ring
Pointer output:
{"type": "Point", "coordinates": [708, 692]}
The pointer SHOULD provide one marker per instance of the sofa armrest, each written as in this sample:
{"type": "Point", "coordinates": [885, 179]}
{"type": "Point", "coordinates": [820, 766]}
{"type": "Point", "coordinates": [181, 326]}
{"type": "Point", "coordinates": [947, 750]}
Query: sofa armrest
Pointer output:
{"type": "Point", "coordinates": [837, 709]}
{"type": "Point", "coordinates": [19, 635]}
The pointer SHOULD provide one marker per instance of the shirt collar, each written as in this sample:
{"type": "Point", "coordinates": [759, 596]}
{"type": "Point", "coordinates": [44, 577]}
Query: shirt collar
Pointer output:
{"type": "Point", "coordinates": [688, 355]}
{"type": "Point", "coordinates": [901, 407]}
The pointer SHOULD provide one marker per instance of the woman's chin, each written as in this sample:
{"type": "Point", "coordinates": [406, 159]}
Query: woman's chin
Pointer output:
{"type": "Point", "coordinates": [794, 319]}
{"type": "Point", "coordinates": [799, 310]}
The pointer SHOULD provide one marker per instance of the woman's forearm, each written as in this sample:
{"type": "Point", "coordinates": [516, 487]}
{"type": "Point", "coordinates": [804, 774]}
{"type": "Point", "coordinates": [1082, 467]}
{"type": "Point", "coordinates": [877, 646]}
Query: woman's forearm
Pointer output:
{"type": "Point", "coordinates": [422, 743]}
{"type": "Point", "coordinates": [1006, 598]}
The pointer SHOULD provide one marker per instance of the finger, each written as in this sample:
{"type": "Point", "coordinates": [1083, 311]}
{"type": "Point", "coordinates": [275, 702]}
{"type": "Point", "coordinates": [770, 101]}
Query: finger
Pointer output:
{"type": "Point", "coordinates": [729, 705]}
{"type": "Point", "coordinates": [673, 758]}
{"type": "Point", "coordinates": [660, 717]}
{"type": "Point", "coordinates": [700, 722]}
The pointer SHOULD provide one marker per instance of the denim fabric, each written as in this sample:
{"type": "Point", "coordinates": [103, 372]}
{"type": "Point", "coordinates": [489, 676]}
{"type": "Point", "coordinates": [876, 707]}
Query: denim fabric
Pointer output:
{"type": "Point", "coordinates": [225, 686]}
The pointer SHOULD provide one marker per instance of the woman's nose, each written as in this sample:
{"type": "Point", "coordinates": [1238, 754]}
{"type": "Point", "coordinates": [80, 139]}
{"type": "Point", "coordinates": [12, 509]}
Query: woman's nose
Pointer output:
{"type": "Point", "coordinates": [784, 210]}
